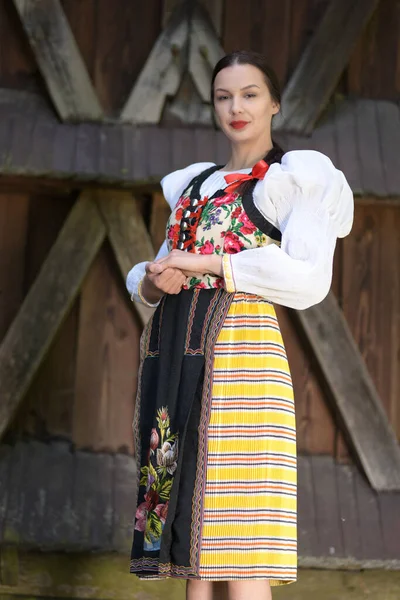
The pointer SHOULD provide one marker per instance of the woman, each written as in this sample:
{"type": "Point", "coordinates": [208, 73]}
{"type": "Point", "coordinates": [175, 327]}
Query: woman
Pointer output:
{"type": "Point", "coordinates": [215, 421]}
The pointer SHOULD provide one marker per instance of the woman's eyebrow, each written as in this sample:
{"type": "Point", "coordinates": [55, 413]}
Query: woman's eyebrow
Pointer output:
{"type": "Point", "coordinates": [243, 88]}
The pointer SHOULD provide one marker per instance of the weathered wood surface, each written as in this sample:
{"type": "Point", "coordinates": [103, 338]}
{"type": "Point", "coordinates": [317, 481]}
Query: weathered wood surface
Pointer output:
{"type": "Point", "coordinates": [49, 402]}
{"type": "Point", "coordinates": [161, 75]}
{"type": "Point", "coordinates": [318, 71]}
{"type": "Point", "coordinates": [125, 155]}
{"type": "Point", "coordinates": [85, 501]}
{"type": "Point", "coordinates": [59, 60]}
{"type": "Point", "coordinates": [127, 233]}
{"type": "Point", "coordinates": [205, 51]}
{"type": "Point", "coordinates": [353, 392]}
{"type": "Point", "coordinates": [107, 360]}
{"type": "Point", "coordinates": [47, 304]}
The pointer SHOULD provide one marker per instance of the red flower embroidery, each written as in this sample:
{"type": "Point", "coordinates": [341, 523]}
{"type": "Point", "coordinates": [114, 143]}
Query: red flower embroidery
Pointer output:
{"type": "Point", "coordinates": [173, 232]}
{"type": "Point", "coordinates": [207, 248]}
{"type": "Point", "coordinates": [227, 199]}
{"type": "Point", "coordinates": [232, 242]}
{"type": "Point", "coordinates": [218, 283]}
{"type": "Point", "coordinates": [162, 511]}
{"type": "Point", "coordinates": [248, 226]}
{"type": "Point", "coordinates": [236, 212]}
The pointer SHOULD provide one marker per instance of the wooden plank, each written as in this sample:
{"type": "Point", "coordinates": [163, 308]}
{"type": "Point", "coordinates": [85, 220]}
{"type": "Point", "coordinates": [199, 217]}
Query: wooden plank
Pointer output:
{"type": "Point", "coordinates": [125, 34]}
{"type": "Point", "coordinates": [87, 145]}
{"type": "Point", "coordinates": [347, 151]}
{"type": "Point", "coordinates": [369, 520]}
{"type": "Point", "coordinates": [345, 372]}
{"type": "Point", "coordinates": [182, 148]}
{"type": "Point", "coordinates": [158, 152]}
{"type": "Point", "coordinates": [326, 507]}
{"type": "Point", "coordinates": [368, 141]}
{"type": "Point", "coordinates": [110, 152]}
{"type": "Point", "coordinates": [12, 529]}
{"type": "Point", "coordinates": [307, 529]}
{"type": "Point", "coordinates": [314, 425]}
{"type": "Point", "coordinates": [14, 209]}
{"type": "Point", "coordinates": [205, 51]}
{"type": "Point", "coordinates": [92, 500]}
{"type": "Point", "coordinates": [60, 520]}
{"type": "Point", "coordinates": [388, 115]}
{"type": "Point", "coordinates": [59, 60]}
{"type": "Point", "coordinates": [107, 360]}
{"type": "Point", "coordinates": [322, 63]}
{"type": "Point", "coordinates": [34, 510]}
{"type": "Point", "coordinates": [160, 212]}
{"type": "Point", "coordinates": [348, 510]}
{"type": "Point", "coordinates": [47, 303]}
{"type": "Point", "coordinates": [125, 490]}
{"type": "Point", "coordinates": [214, 9]}
{"type": "Point", "coordinates": [389, 503]}
{"type": "Point", "coordinates": [161, 75]}
{"type": "Point", "coordinates": [5, 466]}
{"type": "Point", "coordinates": [49, 401]}
{"type": "Point", "coordinates": [128, 235]}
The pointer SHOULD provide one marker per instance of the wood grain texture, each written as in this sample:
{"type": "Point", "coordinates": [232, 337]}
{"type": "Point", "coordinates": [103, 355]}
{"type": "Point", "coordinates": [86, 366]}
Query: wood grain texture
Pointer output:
{"type": "Point", "coordinates": [59, 60]}
{"type": "Point", "coordinates": [107, 361]}
{"type": "Point", "coordinates": [47, 406]}
{"type": "Point", "coordinates": [14, 210]}
{"type": "Point", "coordinates": [353, 392]}
{"type": "Point", "coordinates": [47, 303]}
{"type": "Point", "coordinates": [128, 235]}
{"type": "Point", "coordinates": [318, 71]}
{"type": "Point", "coordinates": [161, 75]}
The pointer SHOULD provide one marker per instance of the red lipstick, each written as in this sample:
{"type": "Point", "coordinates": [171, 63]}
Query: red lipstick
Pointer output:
{"type": "Point", "coordinates": [238, 124]}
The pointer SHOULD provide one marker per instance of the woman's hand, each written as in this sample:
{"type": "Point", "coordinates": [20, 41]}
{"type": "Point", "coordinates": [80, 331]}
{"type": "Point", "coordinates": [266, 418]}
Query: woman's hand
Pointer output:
{"type": "Point", "coordinates": [190, 263]}
{"type": "Point", "coordinates": [158, 282]}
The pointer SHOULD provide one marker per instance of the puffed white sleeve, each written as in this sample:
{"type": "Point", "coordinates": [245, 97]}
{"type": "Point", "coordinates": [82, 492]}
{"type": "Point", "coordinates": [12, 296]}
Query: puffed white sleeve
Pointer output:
{"type": "Point", "coordinates": [172, 186]}
{"type": "Point", "coordinates": [313, 205]}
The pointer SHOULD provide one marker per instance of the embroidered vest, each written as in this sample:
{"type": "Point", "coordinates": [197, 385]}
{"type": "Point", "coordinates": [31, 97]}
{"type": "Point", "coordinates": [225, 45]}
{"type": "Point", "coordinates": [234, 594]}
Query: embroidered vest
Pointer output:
{"type": "Point", "coordinates": [222, 223]}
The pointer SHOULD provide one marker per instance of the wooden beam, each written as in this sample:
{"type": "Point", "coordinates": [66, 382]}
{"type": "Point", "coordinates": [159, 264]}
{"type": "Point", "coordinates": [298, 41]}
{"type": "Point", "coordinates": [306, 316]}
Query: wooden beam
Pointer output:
{"type": "Point", "coordinates": [47, 303]}
{"type": "Point", "coordinates": [354, 393]}
{"type": "Point", "coordinates": [205, 51]}
{"type": "Point", "coordinates": [213, 7]}
{"type": "Point", "coordinates": [128, 235]}
{"type": "Point", "coordinates": [323, 61]}
{"type": "Point", "coordinates": [161, 74]}
{"type": "Point", "coordinates": [59, 60]}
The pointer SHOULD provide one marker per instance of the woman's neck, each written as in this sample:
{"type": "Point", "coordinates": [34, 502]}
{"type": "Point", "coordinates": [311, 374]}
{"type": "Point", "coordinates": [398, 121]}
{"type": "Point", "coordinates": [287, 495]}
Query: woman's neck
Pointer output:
{"type": "Point", "coordinates": [245, 156]}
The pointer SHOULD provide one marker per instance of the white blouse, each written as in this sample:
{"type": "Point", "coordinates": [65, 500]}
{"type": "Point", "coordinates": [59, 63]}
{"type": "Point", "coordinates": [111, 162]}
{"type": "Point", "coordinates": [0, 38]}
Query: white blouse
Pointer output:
{"type": "Point", "coordinates": [308, 200]}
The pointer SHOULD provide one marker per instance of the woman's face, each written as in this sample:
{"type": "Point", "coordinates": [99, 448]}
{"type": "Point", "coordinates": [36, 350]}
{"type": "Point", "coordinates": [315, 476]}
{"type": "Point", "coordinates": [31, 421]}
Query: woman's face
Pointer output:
{"type": "Point", "coordinates": [243, 103]}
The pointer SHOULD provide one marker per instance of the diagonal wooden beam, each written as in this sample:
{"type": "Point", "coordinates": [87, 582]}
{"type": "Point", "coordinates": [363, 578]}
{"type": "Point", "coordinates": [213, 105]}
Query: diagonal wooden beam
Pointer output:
{"type": "Point", "coordinates": [59, 60]}
{"type": "Point", "coordinates": [127, 233]}
{"type": "Point", "coordinates": [322, 63]}
{"type": "Point", "coordinates": [162, 73]}
{"type": "Point", "coordinates": [354, 394]}
{"type": "Point", "coordinates": [205, 51]}
{"type": "Point", "coordinates": [47, 303]}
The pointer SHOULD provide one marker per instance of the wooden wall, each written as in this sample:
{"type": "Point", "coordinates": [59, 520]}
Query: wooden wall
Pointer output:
{"type": "Point", "coordinates": [84, 391]}
{"type": "Point", "coordinates": [115, 39]}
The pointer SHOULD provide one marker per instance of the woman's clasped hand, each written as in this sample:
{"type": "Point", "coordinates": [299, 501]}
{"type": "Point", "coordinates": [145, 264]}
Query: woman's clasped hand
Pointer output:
{"type": "Point", "coordinates": [169, 273]}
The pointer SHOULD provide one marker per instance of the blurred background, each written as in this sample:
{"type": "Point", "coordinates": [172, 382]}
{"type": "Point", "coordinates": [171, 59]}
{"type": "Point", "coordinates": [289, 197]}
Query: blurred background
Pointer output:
{"type": "Point", "coordinates": [98, 100]}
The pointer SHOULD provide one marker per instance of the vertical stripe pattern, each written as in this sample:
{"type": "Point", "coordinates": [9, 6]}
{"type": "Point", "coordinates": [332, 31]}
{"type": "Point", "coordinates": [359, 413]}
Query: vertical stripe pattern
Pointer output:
{"type": "Point", "coordinates": [249, 528]}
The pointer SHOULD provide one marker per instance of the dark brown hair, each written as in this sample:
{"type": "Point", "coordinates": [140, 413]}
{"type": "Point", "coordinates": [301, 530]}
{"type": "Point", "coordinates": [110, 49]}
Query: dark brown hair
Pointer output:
{"type": "Point", "coordinates": [247, 57]}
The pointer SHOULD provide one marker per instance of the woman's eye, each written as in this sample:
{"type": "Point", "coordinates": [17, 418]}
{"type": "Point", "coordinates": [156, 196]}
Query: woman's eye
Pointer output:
{"type": "Point", "coordinates": [222, 97]}
{"type": "Point", "coordinates": [250, 95]}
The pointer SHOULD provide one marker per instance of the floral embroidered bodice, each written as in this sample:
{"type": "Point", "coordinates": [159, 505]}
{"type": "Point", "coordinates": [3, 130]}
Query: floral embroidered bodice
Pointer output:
{"type": "Point", "coordinates": [224, 227]}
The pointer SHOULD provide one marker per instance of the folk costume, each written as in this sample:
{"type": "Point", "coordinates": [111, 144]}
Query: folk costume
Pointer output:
{"type": "Point", "coordinates": [214, 422]}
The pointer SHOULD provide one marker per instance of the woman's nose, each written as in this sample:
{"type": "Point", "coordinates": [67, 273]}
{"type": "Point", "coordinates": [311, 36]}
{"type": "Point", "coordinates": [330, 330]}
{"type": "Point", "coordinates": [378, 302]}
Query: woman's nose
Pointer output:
{"type": "Point", "coordinates": [236, 106]}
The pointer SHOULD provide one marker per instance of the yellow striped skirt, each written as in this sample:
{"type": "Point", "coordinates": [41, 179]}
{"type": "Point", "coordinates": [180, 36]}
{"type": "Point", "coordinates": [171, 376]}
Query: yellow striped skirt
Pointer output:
{"type": "Point", "coordinates": [249, 528]}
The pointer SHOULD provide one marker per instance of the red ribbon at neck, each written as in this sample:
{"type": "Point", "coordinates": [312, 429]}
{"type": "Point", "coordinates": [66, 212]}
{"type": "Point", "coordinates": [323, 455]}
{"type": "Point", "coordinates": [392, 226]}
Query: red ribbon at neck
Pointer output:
{"type": "Point", "coordinates": [236, 179]}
